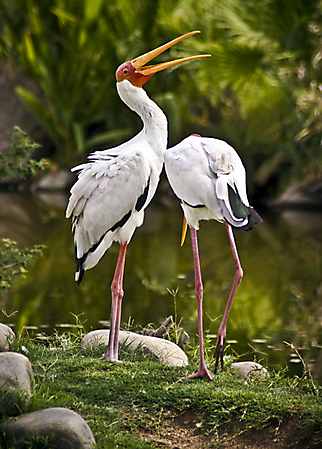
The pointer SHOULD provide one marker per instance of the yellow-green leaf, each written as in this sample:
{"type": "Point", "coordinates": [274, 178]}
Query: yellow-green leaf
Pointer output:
{"type": "Point", "coordinates": [92, 9]}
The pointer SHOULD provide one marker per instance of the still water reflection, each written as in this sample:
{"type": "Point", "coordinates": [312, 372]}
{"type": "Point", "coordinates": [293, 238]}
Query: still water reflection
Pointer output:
{"type": "Point", "coordinates": [278, 300]}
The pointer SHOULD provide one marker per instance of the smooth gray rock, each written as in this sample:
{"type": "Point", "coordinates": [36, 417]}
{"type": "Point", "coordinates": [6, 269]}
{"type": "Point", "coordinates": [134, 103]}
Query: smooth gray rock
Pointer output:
{"type": "Point", "coordinates": [16, 381]}
{"type": "Point", "coordinates": [7, 336]}
{"type": "Point", "coordinates": [56, 180]}
{"type": "Point", "coordinates": [61, 426]}
{"type": "Point", "coordinates": [250, 369]}
{"type": "Point", "coordinates": [163, 350]}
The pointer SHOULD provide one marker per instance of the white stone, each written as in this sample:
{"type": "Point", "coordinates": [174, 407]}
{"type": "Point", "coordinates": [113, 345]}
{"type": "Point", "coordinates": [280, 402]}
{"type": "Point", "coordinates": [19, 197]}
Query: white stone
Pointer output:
{"type": "Point", "coordinates": [16, 380]}
{"type": "Point", "coordinates": [7, 336]}
{"type": "Point", "coordinates": [63, 427]}
{"type": "Point", "coordinates": [165, 351]}
{"type": "Point", "coordinates": [250, 369]}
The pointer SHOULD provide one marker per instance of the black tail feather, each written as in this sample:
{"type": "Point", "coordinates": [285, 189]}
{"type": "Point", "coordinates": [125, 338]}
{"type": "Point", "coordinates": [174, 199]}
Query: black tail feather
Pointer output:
{"type": "Point", "coordinates": [241, 211]}
{"type": "Point", "coordinates": [79, 267]}
{"type": "Point", "coordinates": [254, 219]}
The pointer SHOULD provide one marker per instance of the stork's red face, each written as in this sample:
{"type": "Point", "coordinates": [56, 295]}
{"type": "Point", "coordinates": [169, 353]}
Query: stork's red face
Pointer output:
{"type": "Point", "coordinates": [127, 71]}
{"type": "Point", "coordinates": [134, 71]}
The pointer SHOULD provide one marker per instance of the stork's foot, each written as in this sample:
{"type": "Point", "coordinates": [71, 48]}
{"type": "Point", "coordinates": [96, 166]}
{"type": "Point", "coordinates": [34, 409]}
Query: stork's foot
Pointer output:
{"type": "Point", "coordinates": [219, 353]}
{"type": "Point", "coordinates": [110, 359]}
{"type": "Point", "coordinates": [201, 374]}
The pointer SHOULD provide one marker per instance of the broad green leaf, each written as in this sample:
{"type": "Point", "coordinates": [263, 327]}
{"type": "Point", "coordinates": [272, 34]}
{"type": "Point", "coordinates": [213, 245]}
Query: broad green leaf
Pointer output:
{"type": "Point", "coordinates": [92, 9]}
{"type": "Point", "coordinates": [65, 16]}
{"type": "Point", "coordinates": [30, 50]}
{"type": "Point", "coordinates": [35, 22]}
{"type": "Point", "coordinates": [38, 110]}
{"type": "Point", "coordinates": [79, 137]}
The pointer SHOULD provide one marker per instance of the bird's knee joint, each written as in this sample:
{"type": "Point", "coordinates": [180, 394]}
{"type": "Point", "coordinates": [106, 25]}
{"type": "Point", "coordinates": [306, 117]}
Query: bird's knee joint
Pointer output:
{"type": "Point", "coordinates": [239, 273]}
{"type": "Point", "coordinates": [199, 291]}
{"type": "Point", "coordinates": [117, 291]}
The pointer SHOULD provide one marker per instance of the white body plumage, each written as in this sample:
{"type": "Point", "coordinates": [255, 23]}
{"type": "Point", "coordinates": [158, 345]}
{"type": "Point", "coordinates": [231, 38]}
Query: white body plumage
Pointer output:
{"type": "Point", "coordinates": [108, 200]}
{"type": "Point", "coordinates": [208, 177]}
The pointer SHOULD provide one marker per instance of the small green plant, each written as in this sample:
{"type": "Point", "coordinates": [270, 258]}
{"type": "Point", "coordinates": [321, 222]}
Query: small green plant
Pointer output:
{"type": "Point", "coordinates": [14, 261]}
{"type": "Point", "coordinates": [16, 162]}
{"type": "Point", "coordinates": [176, 330]}
{"type": "Point", "coordinates": [306, 371]}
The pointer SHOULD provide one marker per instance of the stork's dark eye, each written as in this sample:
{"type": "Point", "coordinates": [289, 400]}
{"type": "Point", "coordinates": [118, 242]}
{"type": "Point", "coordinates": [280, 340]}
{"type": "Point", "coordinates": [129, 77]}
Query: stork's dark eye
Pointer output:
{"type": "Point", "coordinates": [125, 71]}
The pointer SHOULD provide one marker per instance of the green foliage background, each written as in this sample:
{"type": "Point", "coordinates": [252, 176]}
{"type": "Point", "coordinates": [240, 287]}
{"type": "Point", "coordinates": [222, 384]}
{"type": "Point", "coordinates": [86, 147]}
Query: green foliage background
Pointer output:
{"type": "Point", "coordinates": [16, 164]}
{"type": "Point", "coordinates": [260, 91]}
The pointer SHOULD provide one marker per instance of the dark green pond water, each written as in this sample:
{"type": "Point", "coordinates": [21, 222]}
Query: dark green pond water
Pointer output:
{"type": "Point", "coordinates": [278, 300]}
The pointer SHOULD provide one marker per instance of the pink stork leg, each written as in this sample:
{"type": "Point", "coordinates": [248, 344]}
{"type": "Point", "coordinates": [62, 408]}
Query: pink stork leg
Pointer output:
{"type": "Point", "coordinates": [237, 278]}
{"type": "Point", "coordinates": [116, 307]}
{"type": "Point", "coordinates": [203, 370]}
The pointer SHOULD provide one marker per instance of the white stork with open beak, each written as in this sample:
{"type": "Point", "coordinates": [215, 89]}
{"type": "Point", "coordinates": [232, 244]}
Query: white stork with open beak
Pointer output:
{"type": "Point", "coordinates": [208, 177]}
{"type": "Point", "coordinates": [107, 201]}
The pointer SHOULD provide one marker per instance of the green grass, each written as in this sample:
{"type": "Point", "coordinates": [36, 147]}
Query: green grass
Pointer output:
{"type": "Point", "coordinates": [124, 404]}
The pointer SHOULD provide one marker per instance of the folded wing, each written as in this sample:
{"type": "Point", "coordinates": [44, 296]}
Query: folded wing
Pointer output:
{"type": "Point", "coordinates": [107, 204]}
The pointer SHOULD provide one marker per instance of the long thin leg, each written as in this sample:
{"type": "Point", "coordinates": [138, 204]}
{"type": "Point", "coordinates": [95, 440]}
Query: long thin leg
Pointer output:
{"type": "Point", "coordinates": [116, 307]}
{"type": "Point", "coordinates": [237, 278]}
{"type": "Point", "coordinates": [203, 370]}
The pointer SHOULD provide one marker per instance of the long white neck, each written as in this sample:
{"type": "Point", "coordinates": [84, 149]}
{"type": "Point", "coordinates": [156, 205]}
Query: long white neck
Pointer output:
{"type": "Point", "coordinates": [155, 125]}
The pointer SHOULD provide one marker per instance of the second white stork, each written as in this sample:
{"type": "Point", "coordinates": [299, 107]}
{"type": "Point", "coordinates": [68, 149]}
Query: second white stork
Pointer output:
{"type": "Point", "coordinates": [208, 177]}
{"type": "Point", "coordinates": [107, 201]}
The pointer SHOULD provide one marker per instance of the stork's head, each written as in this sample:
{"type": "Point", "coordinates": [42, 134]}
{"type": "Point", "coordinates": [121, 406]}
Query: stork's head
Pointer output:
{"type": "Point", "coordinates": [134, 71]}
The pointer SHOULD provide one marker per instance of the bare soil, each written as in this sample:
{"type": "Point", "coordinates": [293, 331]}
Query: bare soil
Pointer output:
{"type": "Point", "coordinates": [182, 432]}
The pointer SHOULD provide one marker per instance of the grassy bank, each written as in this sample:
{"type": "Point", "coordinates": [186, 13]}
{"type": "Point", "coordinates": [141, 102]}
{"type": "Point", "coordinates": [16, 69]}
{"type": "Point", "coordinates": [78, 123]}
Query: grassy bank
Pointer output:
{"type": "Point", "coordinates": [142, 404]}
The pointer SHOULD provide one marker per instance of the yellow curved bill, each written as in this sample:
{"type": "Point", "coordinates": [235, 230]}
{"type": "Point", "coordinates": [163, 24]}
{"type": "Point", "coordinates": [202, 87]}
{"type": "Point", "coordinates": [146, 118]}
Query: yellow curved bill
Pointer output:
{"type": "Point", "coordinates": [140, 61]}
{"type": "Point", "coordinates": [184, 230]}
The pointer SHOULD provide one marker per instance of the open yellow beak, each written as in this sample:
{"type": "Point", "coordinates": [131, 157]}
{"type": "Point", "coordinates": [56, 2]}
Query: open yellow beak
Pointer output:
{"type": "Point", "coordinates": [184, 230]}
{"type": "Point", "coordinates": [140, 61]}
